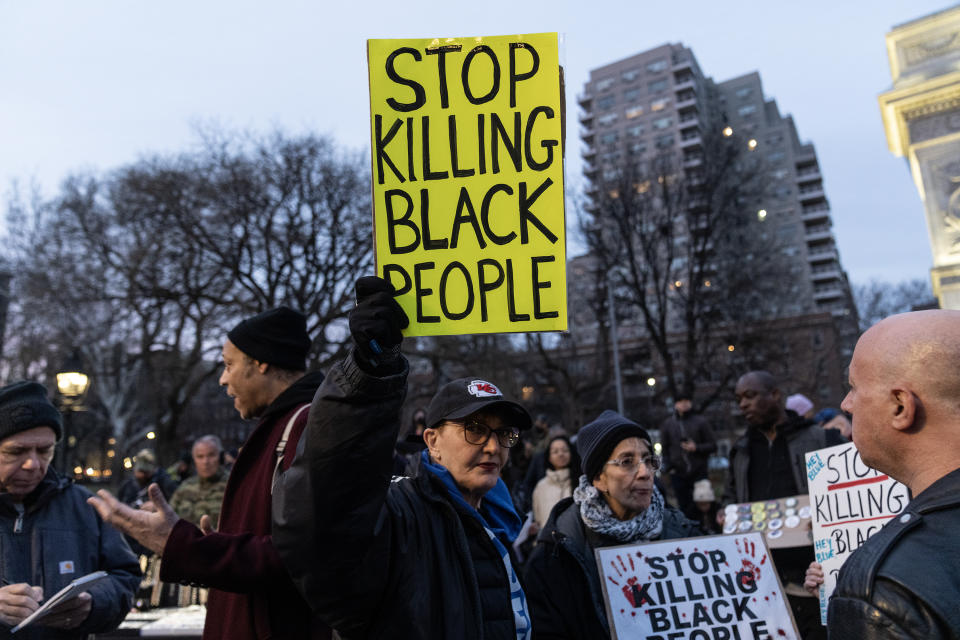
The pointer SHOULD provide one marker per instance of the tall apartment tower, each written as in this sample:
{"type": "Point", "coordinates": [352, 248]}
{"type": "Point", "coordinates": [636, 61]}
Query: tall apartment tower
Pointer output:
{"type": "Point", "coordinates": [660, 99]}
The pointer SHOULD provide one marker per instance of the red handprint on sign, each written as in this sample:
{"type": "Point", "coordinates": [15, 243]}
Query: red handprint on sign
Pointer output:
{"type": "Point", "coordinates": [750, 568]}
{"type": "Point", "coordinates": [634, 591]}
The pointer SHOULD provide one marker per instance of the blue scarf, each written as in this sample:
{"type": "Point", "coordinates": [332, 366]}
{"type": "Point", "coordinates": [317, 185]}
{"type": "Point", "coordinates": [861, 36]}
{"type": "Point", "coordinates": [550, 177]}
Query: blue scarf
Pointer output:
{"type": "Point", "coordinates": [496, 513]}
{"type": "Point", "coordinates": [499, 519]}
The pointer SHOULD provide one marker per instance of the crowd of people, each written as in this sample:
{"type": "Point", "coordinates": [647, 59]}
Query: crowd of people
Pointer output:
{"type": "Point", "coordinates": [331, 525]}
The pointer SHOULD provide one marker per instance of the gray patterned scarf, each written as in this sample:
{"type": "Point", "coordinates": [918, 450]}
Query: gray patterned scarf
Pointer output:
{"type": "Point", "coordinates": [598, 517]}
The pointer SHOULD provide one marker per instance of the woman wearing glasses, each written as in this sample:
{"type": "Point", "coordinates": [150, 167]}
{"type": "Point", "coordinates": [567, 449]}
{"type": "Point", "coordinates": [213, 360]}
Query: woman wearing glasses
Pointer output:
{"type": "Point", "coordinates": [471, 427]}
{"type": "Point", "coordinates": [615, 503]}
{"type": "Point", "coordinates": [420, 557]}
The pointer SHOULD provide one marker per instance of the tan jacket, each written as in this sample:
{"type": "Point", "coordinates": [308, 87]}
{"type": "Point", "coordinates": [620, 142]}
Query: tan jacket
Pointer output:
{"type": "Point", "coordinates": [552, 488]}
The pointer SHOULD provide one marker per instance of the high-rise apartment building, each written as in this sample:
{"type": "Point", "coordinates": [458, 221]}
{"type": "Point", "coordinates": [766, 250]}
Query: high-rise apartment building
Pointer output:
{"type": "Point", "coordinates": [660, 100]}
{"type": "Point", "coordinates": [653, 118]}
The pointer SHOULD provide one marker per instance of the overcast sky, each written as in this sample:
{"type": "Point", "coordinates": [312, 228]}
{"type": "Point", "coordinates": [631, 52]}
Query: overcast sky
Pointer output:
{"type": "Point", "coordinates": [92, 85]}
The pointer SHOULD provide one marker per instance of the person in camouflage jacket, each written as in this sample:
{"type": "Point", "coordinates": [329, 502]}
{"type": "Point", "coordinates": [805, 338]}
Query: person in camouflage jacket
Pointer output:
{"type": "Point", "coordinates": [202, 494]}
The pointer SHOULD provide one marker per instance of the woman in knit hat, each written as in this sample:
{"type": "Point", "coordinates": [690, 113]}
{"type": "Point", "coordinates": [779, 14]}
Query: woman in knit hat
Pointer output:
{"type": "Point", "coordinates": [703, 509]}
{"type": "Point", "coordinates": [616, 502]}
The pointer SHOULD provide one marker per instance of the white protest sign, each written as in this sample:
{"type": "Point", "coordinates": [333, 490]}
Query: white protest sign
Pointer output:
{"type": "Point", "coordinates": [849, 503]}
{"type": "Point", "coordinates": [709, 588]}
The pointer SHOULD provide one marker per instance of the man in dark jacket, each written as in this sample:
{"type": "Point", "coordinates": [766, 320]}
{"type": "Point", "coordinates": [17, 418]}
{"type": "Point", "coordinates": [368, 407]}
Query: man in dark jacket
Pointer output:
{"type": "Point", "coordinates": [49, 536]}
{"type": "Point", "coordinates": [416, 558]}
{"type": "Point", "coordinates": [687, 441]}
{"type": "Point", "coordinates": [146, 471]}
{"type": "Point", "coordinates": [251, 595]}
{"type": "Point", "coordinates": [768, 462]}
{"type": "Point", "coordinates": [904, 582]}
{"type": "Point", "coordinates": [133, 491]}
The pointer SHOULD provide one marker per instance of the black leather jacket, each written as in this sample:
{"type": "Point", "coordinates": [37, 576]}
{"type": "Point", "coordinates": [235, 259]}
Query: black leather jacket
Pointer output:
{"type": "Point", "coordinates": [904, 582]}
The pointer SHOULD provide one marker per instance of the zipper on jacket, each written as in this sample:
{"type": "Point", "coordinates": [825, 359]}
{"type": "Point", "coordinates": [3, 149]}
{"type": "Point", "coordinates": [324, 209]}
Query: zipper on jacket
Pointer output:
{"type": "Point", "coordinates": [18, 523]}
{"type": "Point", "coordinates": [558, 539]}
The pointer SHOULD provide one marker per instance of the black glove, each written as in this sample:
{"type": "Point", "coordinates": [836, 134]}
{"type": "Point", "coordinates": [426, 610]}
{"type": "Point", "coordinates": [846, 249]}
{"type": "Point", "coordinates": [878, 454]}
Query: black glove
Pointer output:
{"type": "Point", "coordinates": [376, 322]}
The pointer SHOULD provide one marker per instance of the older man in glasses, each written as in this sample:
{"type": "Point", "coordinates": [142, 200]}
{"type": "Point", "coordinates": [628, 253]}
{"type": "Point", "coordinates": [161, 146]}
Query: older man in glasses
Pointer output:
{"type": "Point", "coordinates": [421, 557]}
{"type": "Point", "coordinates": [615, 503]}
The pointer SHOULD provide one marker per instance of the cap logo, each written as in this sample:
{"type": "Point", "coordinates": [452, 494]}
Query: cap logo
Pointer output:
{"type": "Point", "coordinates": [483, 389]}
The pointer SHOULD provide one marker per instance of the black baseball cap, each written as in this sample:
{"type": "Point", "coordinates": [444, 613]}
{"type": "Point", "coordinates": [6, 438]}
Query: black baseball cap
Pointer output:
{"type": "Point", "coordinates": [460, 398]}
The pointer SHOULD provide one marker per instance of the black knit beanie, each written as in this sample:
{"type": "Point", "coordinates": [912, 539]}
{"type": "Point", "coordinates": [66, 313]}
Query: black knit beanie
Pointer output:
{"type": "Point", "coordinates": [597, 440]}
{"type": "Point", "coordinates": [25, 405]}
{"type": "Point", "coordinates": [276, 336]}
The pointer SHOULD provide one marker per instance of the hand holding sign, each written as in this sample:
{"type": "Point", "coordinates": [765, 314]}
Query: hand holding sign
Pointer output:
{"type": "Point", "coordinates": [377, 321]}
{"type": "Point", "coordinates": [813, 579]}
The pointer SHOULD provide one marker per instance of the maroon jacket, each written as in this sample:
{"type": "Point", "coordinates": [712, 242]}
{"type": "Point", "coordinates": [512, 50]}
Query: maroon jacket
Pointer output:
{"type": "Point", "coordinates": [251, 595]}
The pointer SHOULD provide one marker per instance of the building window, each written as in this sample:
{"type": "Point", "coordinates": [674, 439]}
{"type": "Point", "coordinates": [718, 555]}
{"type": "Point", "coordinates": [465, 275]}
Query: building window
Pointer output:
{"type": "Point", "coordinates": [606, 83]}
{"type": "Point", "coordinates": [657, 85]}
{"type": "Point", "coordinates": [635, 130]}
{"type": "Point", "coordinates": [606, 102]}
{"type": "Point", "coordinates": [657, 65]}
{"type": "Point", "coordinates": [659, 105]}
{"type": "Point", "coordinates": [817, 339]}
{"type": "Point", "coordinates": [662, 123]}
{"type": "Point", "coordinates": [744, 92]}
{"type": "Point", "coordinates": [610, 158]}
{"type": "Point", "coordinates": [607, 118]}
{"type": "Point", "coordinates": [638, 147]}
{"type": "Point", "coordinates": [664, 141]}
{"type": "Point", "coordinates": [630, 75]}
{"type": "Point", "coordinates": [631, 95]}
{"type": "Point", "coordinates": [634, 111]}
{"type": "Point", "coordinates": [608, 138]}
{"type": "Point", "coordinates": [788, 233]}
{"type": "Point", "coordinates": [784, 192]}
{"type": "Point", "coordinates": [775, 156]}
{"type": "Point", "coordinates": [747, 109]}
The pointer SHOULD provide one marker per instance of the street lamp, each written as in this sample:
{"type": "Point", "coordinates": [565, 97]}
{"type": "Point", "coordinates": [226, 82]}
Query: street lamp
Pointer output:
{"type": "Point", "coordinates": [72, 383]}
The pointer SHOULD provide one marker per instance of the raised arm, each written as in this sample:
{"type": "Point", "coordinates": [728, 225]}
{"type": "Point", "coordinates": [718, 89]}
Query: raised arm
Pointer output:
{"type": "Point", "coordinates": [332, 525]}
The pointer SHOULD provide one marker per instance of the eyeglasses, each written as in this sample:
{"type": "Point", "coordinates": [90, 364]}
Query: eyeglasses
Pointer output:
{"type": "Point", "coordinates": [630, 464]}
{"type": "Point", "coordinates": [476, 432]}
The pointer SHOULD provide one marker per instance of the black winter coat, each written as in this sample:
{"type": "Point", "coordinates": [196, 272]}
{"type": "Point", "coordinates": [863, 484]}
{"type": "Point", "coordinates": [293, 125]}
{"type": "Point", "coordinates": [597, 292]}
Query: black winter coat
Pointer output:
{"type": "Point", "coordinates": [674, 431]}
{"type": "Point", "coordinates": [904, 582]}
{"type": "Point", "coordinates": [375, 557]}
{"type": "Point", "coordinates": [562, 581]}
{"type": "Point", "coordinates": [802, 435]}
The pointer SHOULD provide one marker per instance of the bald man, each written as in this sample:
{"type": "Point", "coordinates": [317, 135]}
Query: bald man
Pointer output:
{"type": "Point", "coordinates": [904, 582]}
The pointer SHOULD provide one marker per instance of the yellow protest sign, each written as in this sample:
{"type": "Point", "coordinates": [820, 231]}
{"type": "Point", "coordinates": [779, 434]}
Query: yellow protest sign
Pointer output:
{"type": "Point", "coordinates": [468, 181]}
